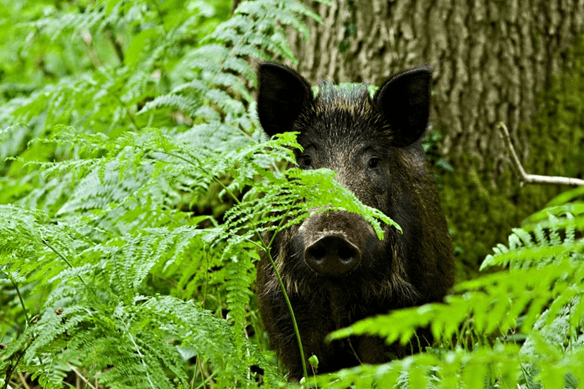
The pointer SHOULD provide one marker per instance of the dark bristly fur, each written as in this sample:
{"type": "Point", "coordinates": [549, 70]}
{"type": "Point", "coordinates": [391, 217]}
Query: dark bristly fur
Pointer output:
{"type": "Point", "coordinates": [374, 146]}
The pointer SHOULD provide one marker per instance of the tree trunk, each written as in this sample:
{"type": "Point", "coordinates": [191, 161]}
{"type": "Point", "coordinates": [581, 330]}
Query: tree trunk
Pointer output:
{"type": "Point", "coordinates": [492, 61]}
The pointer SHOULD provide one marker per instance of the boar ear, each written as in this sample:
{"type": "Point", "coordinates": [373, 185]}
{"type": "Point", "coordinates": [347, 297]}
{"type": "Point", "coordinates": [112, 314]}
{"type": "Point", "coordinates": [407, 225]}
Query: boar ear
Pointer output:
{"type": "Point", "coordinates": [282, 95]}
{"type": "Point", "coordinates": [404, 101]}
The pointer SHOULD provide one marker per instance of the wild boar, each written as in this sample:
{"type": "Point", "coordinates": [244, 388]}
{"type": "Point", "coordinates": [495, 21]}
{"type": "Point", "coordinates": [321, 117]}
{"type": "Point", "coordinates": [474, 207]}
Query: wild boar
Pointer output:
{"type": "Point", "coordinates": [335, 269]}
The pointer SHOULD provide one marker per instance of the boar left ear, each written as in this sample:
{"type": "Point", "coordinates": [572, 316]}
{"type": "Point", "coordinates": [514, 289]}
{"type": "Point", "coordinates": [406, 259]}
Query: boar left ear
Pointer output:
{"type": "Point", "coordinates": [282, 96]}
{"type": "Point", "coordinates": [404, 101]}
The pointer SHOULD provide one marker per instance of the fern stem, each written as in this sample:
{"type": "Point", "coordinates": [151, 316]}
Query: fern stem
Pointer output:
{"type": "Point", "coordinates": [204, 383]}
{"type": "Point", "coordinates": [116, 45]}
{"type": "Point", "coordinates": [19, 297]}
{"type": "Point", "coordinates": [289, 304]}
{"type": "Point", "coordinates": [266, 249]}
{"type": "Point", "coordinates": [140, 355]}
{"type": "Point", "coordinates": [198, 166]}
{"type": "Point", "coordinates": [283, 288]}
{"type": "Point", "coordinates": [12, 369]}
{"type": "Point", "coordinates": [46, 243]}
{"type": "Point", "coordinates": [130, 116]}
{"type": "Point", "coordinates": [26, 317]}
{"type": "Point", "coordinates": [132, 120]}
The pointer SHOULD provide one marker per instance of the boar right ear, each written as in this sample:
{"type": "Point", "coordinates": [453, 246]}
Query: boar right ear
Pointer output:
{"type": "Point", "coordinates": [282, 95]}
{"type": "Point", "coordinates": [404, 101]}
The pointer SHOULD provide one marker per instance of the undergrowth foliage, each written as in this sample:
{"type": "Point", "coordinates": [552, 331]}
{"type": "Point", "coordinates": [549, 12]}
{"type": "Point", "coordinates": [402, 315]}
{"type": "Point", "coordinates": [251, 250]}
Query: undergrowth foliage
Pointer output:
{"type": "Point", "coordinates": [136, 185]}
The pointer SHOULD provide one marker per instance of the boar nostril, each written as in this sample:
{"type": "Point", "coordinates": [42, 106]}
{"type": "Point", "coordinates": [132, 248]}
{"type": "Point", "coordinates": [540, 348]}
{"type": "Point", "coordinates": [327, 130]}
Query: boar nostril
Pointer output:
{"type": "Point", "coordinates": [318, 252]}
{"type": "Point", "coordinates": [346, 253]}
{"type": "Point", "coordinates": [332, 256]}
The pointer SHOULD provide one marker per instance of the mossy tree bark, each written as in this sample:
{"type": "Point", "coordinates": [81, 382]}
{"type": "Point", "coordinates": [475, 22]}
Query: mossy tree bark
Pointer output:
{"type": "Point", "coordinates": [493, 60]}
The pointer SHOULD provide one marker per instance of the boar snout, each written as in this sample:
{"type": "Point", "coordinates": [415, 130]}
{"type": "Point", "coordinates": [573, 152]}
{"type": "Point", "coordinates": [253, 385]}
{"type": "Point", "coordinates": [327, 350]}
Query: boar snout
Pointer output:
{"type": "Point", "coordinates": [332, 255]}
{"type": "Point", "coordinates": [334, 242]}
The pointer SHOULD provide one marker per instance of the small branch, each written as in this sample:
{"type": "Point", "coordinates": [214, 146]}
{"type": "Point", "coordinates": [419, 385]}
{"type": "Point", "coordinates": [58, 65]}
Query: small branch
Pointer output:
{"type": "Point", "coordinates": [525, 178]}
{"type": "Point", "coordinates": [81, 376]}
{"type": "Point", "coordinates": [23, 380]}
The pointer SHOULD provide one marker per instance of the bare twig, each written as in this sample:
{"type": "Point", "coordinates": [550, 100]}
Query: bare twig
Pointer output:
{"type": "Point", "coordinates": [525, 178]}
{"type": "Point", "coordinates": [23, 380]}
{"type": "Point", "coordinates": [81, 376]}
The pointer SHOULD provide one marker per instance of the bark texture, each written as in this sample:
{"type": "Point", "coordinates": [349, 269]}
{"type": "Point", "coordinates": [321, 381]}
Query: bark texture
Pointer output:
{"type": "Point", "coordinates": [492, 59]}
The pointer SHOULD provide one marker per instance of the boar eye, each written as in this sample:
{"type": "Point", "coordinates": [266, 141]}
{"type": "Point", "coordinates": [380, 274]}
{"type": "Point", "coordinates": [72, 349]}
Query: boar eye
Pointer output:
{"type": "Point", "coordinates": [373, 163]}
{"type": "Point", "coordinates": [305, 161]}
